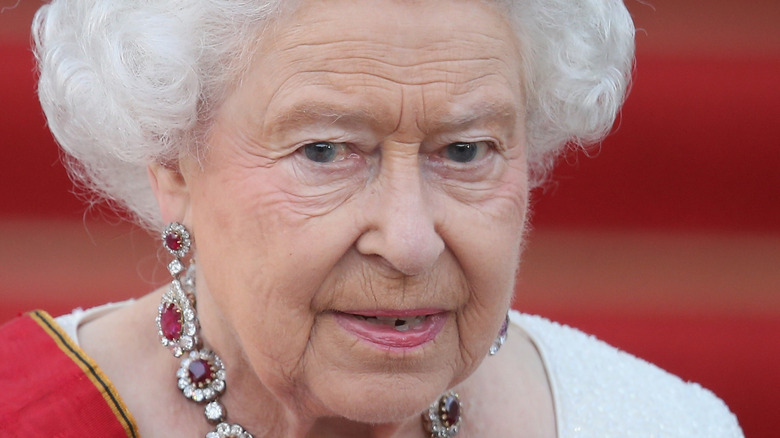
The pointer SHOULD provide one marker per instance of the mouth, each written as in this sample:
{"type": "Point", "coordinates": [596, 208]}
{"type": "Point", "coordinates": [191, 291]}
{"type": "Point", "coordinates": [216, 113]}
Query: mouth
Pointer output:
{"type": "Point", "coordinates": [401, 324]}
{"type": "Point", "coordinates": [394, 331]}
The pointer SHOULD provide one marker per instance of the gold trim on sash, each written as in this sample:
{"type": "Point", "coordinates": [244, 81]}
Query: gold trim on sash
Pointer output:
{"type": "Point", "coordinates": [90, 369]}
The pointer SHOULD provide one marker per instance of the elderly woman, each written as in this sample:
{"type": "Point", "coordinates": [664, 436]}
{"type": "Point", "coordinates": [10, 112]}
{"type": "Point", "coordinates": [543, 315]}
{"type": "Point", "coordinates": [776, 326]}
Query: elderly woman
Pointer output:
{"type": "Point", "coordinates": [343, 186]}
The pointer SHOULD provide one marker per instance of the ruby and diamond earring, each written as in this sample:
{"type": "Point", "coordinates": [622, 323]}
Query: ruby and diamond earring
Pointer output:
{"type": "Point", "coordinates": [201, 375]}
{"type": "Point", "coordinates": [442, 419]}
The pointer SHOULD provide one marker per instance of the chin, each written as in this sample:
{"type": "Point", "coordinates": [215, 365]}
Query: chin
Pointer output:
{"type": "Point", "coordinates": [382, 399]}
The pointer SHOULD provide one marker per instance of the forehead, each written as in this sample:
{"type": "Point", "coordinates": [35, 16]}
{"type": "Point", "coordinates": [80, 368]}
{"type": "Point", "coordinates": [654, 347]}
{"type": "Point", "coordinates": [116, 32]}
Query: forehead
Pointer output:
{"type": "Point", "coordinates": [398, 33]}
{"type": "Point", "coordinates": [456, 54]}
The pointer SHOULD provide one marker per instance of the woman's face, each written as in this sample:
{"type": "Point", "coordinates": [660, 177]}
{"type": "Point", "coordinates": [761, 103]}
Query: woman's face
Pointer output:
{"type": "Point", "coordinates": [358, 216]}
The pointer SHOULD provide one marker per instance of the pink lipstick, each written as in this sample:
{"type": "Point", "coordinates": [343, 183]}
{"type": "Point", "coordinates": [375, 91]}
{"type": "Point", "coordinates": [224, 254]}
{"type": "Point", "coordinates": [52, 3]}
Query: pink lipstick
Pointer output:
{"type": "Point", "coordinates": [394, 330]}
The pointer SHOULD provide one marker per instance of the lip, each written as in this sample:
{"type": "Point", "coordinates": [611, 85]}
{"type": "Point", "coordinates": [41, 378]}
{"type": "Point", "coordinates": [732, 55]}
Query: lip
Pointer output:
{"type": "Point", "coordinates": [386, 337]}
{"type": "Point", "coordinates": [394, 313]}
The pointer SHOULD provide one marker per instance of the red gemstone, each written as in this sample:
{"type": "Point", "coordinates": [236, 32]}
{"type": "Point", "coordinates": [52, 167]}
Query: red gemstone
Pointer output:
{"type": "Point", "coordinates": [170, 322]}
{"type": "Point", "coordinates": [173, 241]}
{"type": "Point", "coordinates": [450, 410]}
{"type": "Point", "coordinates": [200, 372]}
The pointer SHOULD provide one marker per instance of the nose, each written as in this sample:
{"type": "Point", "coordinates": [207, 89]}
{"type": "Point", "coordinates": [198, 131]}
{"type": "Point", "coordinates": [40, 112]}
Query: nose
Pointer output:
{"type": "Point", "coordinates": [401, 218]}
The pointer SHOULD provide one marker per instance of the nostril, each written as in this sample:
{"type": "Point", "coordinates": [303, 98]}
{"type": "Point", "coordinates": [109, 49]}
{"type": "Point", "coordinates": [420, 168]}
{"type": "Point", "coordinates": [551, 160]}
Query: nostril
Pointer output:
{"type": "Point", "coordinates": [407, 255]}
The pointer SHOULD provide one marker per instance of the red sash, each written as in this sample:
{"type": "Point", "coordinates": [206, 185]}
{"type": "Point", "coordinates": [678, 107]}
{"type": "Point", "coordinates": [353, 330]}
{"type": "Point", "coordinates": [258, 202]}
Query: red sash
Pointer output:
{"type": "Point", "coordinates": [50, 388]}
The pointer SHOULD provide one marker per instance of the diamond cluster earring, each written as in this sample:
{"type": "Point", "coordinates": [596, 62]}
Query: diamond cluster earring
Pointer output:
{"type": "Point", "coordinates": [201, 375]}
{"type": "Point", "coordinates": [442, 419]}
{"type": "Point", "coordinates": [501, 338]}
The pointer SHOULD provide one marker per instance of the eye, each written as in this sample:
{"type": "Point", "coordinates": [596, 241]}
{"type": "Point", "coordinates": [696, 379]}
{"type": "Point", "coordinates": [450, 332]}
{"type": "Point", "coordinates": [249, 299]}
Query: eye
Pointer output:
{"type": "Point", "coordinates": [324, 151]}
{"type": "Point", "coordinates": [463, 152]}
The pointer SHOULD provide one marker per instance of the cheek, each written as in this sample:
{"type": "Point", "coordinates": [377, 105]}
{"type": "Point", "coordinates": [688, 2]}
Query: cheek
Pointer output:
{"type": "Point", "coordinates": [263, 256]}
{"type": "Point", "coordinates": [487, 236]}
{"type": "Point", "coordinates": [487, 240]}
{"type": "Point", "coordinates": [234, 219]}
{"type": "Point", "coordinates": [490, 251]}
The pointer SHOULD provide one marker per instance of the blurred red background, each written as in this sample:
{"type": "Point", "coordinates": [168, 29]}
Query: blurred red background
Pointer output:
{"type": "Point", "coordinates": [665, 243]}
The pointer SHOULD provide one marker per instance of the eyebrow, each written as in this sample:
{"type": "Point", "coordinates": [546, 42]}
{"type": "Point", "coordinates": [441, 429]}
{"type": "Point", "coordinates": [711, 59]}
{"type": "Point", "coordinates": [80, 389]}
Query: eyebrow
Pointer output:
{"type": "Point", "coordinates": [319, 112]}
{"type": "Point", "coordinates": [312, 112]}
{"type": "Point", "coordinates": [498, 111]}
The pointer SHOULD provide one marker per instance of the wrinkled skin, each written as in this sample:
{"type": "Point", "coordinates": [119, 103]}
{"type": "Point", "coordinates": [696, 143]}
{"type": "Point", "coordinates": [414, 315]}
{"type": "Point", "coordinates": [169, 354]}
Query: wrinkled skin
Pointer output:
{"type": "Point", "coordinates": [386, 208]}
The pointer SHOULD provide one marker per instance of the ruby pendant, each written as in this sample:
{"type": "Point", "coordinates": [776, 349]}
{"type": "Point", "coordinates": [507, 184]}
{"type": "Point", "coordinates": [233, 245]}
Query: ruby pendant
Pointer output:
{"type": "Point", "coordinates": [442, 420]}
{"type": "Point", "coordinates": [200, 372]}
{"type": "Point", "coordinates": [173, 242]}
{"type": "Point", "coordinates": [171, 322]}
{"type": "Point", "coordinates": [449, 410]}
{"type": "Point", "coordinates": [201, 376]}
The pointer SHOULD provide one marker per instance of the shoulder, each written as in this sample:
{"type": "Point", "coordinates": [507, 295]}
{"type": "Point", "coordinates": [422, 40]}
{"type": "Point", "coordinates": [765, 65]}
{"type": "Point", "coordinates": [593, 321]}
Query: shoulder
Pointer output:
{"type": "Point", "coordinates": [51, 387]}
{"type": "Point", "coordinates": [599, 390]}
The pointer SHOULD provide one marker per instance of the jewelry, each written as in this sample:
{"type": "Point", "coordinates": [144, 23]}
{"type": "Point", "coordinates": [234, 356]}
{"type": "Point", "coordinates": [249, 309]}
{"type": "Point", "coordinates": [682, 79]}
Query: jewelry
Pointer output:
{"type": "Point", "coordinates": [442, 420]}
{"type": "Point", "coordinates": [201, 375]}
{"type": "Point", "coordinates": [501, 338]}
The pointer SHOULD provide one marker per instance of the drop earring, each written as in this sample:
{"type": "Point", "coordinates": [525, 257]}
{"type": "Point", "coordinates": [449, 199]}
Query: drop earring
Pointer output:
{"type": "Point", "coordinates": [201, 374]}
{"type": "Point", "coordinates": [177, 322]}
{"type": "Point", "coordinates": [501, 338]}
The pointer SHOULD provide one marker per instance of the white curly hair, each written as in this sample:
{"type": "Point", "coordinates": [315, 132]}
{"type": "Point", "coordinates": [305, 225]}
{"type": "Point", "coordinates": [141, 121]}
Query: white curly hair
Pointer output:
{"type": "Point", "coordinates": [127, 83]}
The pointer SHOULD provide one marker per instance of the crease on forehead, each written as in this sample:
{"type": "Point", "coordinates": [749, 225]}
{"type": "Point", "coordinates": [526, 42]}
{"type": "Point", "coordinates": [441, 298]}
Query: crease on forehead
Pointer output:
{"type": "Point", "coordinates": [301, 30]}
{"type": "Point", "coordinates": [455, 117]}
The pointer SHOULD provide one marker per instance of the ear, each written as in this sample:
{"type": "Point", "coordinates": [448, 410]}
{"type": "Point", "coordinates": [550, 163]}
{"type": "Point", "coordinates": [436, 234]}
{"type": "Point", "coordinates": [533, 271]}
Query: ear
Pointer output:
{"type": "Point", "coordinates": [171, 190]}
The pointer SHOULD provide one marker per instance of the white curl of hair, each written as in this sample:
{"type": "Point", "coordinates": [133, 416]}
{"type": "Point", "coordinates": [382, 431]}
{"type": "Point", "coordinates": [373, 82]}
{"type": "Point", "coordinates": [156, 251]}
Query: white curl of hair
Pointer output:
{"type": "Point", "coordinates": [127, 83]}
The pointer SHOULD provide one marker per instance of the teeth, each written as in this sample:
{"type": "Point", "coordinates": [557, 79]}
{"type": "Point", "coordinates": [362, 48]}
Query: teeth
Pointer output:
{"type": "Point", "coordinates": [385, 319]}
{"type": "Point", "coordinates": [400, 324]}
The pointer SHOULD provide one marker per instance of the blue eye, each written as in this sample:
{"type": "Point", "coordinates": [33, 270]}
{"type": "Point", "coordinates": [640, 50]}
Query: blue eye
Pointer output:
{"type": "Point", "coordinates": [322, 151]}
{"type": "Point", "coordinates": [464, 152]}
